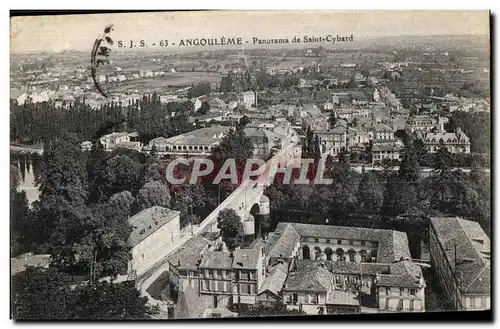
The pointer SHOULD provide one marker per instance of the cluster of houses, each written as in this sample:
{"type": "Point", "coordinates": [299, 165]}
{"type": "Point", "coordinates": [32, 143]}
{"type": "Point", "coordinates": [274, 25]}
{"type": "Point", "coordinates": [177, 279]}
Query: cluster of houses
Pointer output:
{"type": "Point", "coordinates": [317, 269]}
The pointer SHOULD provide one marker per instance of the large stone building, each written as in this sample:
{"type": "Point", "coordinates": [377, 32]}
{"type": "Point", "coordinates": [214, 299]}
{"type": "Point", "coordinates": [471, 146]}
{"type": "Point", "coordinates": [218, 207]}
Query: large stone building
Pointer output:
{"type": "Point", "coordinates": [455, 142]}
{"type": "Point", "coordinates": [199, 142]}
{"type": "Point", "coordinates": [220, 278]}
{"type": "Point", "coordinates": [154, 230]}
{"type": "Point", "coordinates": [461, 258]}
{"type": "Point", "coordinates": [373, 262]}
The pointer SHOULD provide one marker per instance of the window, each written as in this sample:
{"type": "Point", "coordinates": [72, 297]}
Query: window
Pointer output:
{"type": "Point", "coordinates": [387, 291]}
{"type": "Point", "coordinates": [327, 240]}
{"type": "Point", "coordinates": [412, 305]}
{"type": "Point", "coordinates": [305, 239]}
{"type": "Point", "coordinates": [210, 273]}
{"type": "Point", "coordinates": [483, 301]}
{"type": "Point", "coordinates": [248, 289]}
{"type": "Point", "coordinates": [400, 305]}
{"type": "Point", "coordinates": [401, 291]}
{"type": "Point", "coordinates": [363, 243]}
{"type": "Point", "coordinates": [339, 241]}
{"type": "Point", "coordinates": [219, 273]}
{"type": "Point", "coordinates": [472, 302]}
{"type": "Point", "coordinates": [413, 292]}
{"type": "Point", "coordinates": [351, 242]}
{"type": "Point", "coordinates": [252, 275]}
{"type": "Point", "coordinates": [316, 240]}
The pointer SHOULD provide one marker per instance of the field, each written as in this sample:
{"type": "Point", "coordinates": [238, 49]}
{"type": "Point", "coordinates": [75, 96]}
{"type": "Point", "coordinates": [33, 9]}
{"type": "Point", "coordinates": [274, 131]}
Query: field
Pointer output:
{"type": "Point", "coordinates": [178, 79]}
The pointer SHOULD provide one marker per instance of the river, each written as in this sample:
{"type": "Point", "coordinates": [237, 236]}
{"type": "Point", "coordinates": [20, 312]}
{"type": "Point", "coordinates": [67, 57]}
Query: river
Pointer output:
{"type": "Point", "coordinates": [27, 164]}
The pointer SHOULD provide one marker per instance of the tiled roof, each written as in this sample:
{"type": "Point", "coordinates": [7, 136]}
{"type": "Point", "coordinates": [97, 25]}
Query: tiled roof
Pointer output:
{"type": "Point", "coordinates": [402, 274]}
{"type": "Point", "coordinates": [446, 137]}
{"type": "Point", "coordinates": [188, 255]}
{"type": "Point", "coordinates": [275, 279]}
{"type": "Point", "coordinates": [383, 127]}
{"type": "Point", "coordinates": [216, 260]}
{"type": "Point", "coordinates": [309, 277]}
{"type": "Point", "coordinates": [148, 221]}
{"type": "Point", "coordinates": [386, 146]}
{"type": "Point", "coordinates": [282, 243]}
{"type": "Point", "coordinates": [391, 246]}
{"type": "Point", "coordinates": [246, 259]}
{"type": "Point", "coordinates": [338, 267]}
{"type": "Point", "coordinates": [473, 264]}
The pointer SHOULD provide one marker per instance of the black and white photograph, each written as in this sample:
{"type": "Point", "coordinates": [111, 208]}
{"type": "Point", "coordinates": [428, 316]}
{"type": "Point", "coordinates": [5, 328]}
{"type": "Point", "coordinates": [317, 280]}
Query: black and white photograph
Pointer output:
{"type": "Point", "coordinates": [246, 164]}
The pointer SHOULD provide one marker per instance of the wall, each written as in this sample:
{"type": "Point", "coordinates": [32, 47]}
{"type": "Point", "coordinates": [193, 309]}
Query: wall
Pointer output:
{"type": "Point", "coordinates": [391, 301]}
{"type": "Point", "coordinates": [334, 245]}
{"type": "Point", "coordinates": [154, 247]}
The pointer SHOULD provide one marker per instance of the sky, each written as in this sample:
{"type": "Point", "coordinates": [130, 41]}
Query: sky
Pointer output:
{"type": "Point", "coordinates": [78, 32]}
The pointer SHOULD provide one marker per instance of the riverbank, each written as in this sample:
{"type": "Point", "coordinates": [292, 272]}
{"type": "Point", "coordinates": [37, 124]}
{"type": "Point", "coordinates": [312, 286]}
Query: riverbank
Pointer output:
{"type": "Point", "coordinates": [38, 149]}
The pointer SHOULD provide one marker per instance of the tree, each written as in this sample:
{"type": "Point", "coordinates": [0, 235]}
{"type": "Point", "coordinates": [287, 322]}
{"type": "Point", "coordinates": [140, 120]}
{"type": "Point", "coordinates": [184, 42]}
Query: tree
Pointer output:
{"type": "Point", "coordinates": [46, 294]}
{"type": "Point", "coordinates": [235, 145]}
{"type": "Point", "coordinates": [244, 121]}
{"type": "Point", "coordinates": [199, 89]}
{"type": "Point", "coordinates": [332, 119]}
{"type": "Point", "coordinates": [153, 193]}
{"type": "Point", "coordinates": [231, 228]}
{"type": "Point", "coordinates": [105, 249]}
{"type": "Point", "coordinates": [42, 294]}
{"type": "Point", "coordinates": [204, 108]}
{"type": "Point", "coordinates": [111, 301]}
{"type": "Point", "coordinates": [409, 168]}
{"type": "Point", "coordinates": [370, 194]}
{"type": "Point", "coordinates": [400, 196]}
{"type": "Point", "coordinates": [19, 215]}
{"type": "Point", "coordinates": [121, 173]}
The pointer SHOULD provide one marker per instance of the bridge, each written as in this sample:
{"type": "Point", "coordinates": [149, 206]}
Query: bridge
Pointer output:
{"type": "Point", "coordinates": [245, 198]}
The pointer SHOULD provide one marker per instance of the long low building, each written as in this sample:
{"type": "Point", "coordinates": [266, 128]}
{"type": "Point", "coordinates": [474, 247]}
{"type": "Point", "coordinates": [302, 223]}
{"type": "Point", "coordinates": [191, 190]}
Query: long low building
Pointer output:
{"type": "Point", "coordinates": [331, 267]}
{"type": "Point", "coordinates": [460, 254]}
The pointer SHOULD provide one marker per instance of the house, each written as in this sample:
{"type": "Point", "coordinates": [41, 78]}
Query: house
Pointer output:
{"type": "Point", "coordinates": [231, 278]}
{"type": "Point", "coordinates": [186, 260]}
{"type": "Point", "coordinates": [421, 122]}
{"type": "Point", "coordinates": [265, 141]}
{"type": "Point", "coordinates": [154, 230]}
{"type": "Point", "coordinates": [196, 104]}
{"type": "Point", "coordinates": [216, 278]}
{"type": "Point", "coordinates": [386, 151]}
{"type": "Point", "coordinates": [21, 262]}
{"type": "Point", "coordinates": [461, 258]}
{"type": "Point", "coordinates": [86, 146]}
{"type": "Point", "coordinates": [382, 131]}
{"type": "Point", "coordinates": [308, 287]}
{"type": "Point", "coordinates": [248, 98]}
{"type": "Point", "coordinates": [454, 142]}
{"type": "Point", "coordinates": [249, 271]}
{"type": "Point", "coordinates": [357, 138]}
{"type": "Point", "coordinates": [270, 293]}
{"type": "Point", "coordinates": [121, 139]}
{"type": "Point", "coordinates": [331, 141]}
